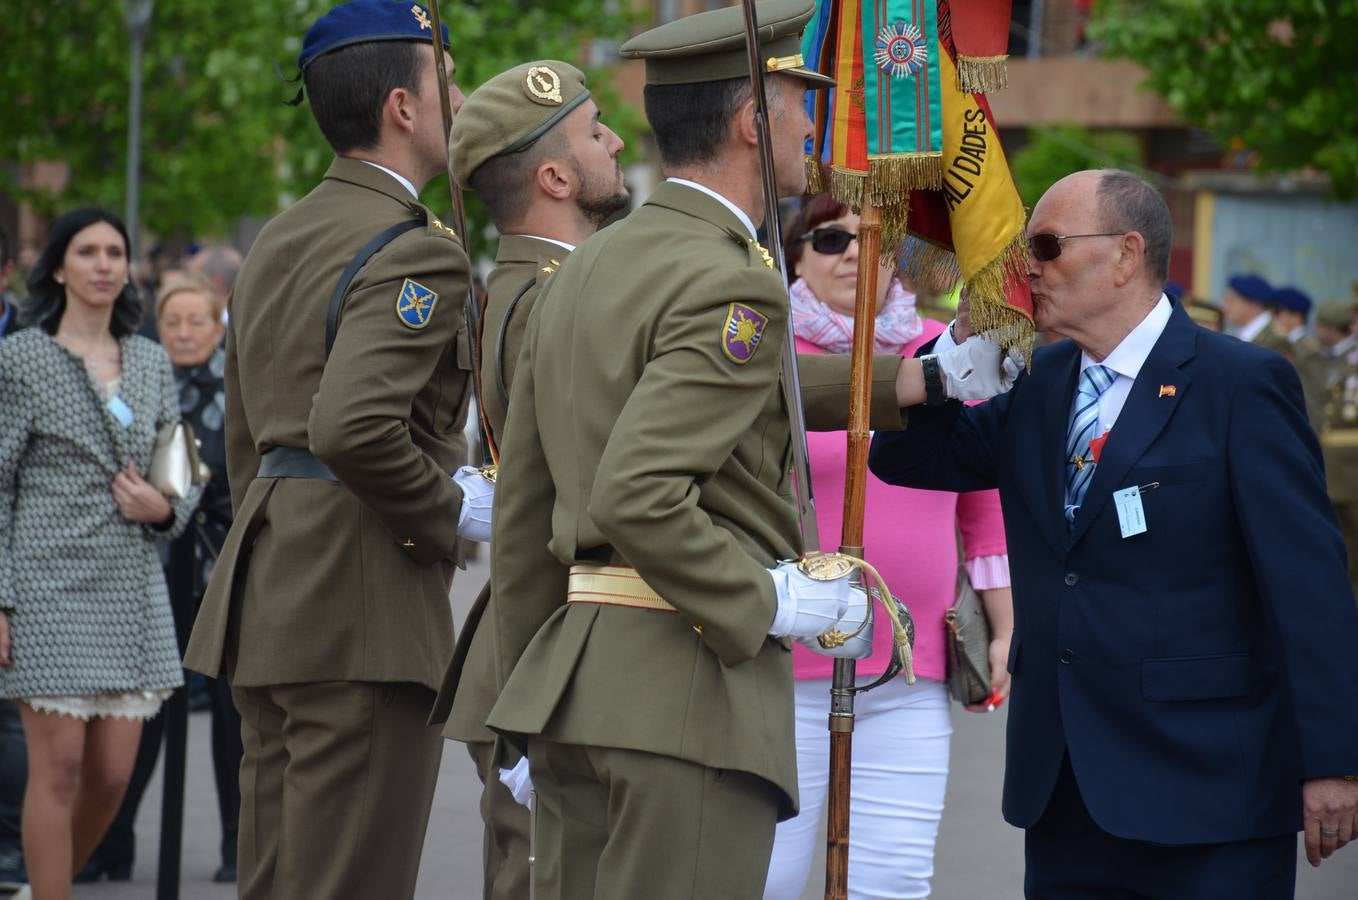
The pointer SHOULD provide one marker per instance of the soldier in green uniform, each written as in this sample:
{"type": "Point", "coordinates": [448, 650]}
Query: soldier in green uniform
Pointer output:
{"type": "Point", "coordinates": [1245, 307]}
{"type": "Point", "coordinates": [642, 617]}
{"type": "Point", "coordinates": [1335, 375]}
{"type": "Point", "coordinates": [531, 144]}
{"type": "Point", "coordinates": [347, 385]}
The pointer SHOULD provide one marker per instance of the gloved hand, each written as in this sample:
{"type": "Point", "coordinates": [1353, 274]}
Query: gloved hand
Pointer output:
{"type": "Point", "coordinates": [518, 781]}
{"type": "Point", "coordinates": [478, 495]}
{"type": "Point", "coordinates": [807, 608]}
{"type": "Point", "coordinates": [978, 369]}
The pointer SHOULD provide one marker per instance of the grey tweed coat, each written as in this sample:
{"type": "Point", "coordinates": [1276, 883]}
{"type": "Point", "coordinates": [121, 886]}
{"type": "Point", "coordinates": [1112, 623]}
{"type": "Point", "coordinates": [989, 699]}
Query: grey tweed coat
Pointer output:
{"type": "Point", "coordinates": [82, 587]}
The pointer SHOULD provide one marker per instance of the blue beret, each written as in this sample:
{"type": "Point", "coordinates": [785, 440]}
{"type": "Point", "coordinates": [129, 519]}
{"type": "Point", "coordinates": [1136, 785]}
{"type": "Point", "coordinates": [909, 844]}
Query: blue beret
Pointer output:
{"type": "Point", "coordinates": [1251, 287]}
{"type": "Point", "coordinates": [1293, 299]}
{"type": "Point", "coordinates": [366, 21]}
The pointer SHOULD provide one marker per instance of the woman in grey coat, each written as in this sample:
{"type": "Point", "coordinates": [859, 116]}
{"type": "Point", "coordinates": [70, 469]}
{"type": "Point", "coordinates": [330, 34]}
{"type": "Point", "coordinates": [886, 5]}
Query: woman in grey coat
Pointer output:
{"type": "Point", "coordinates": [87, 640]}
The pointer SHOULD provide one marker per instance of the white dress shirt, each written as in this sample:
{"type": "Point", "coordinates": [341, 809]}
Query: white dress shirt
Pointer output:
{"type": "Point", "coordinates": [1126, 360]}
{"type": "Point", "coordinates": [405, 182]}
{"type": "Point", "coordinates": [569, 248]}
{"type": "Point", "coordinates": [739, 213]}
{"type": "Point", "coordinates": [1250, 331]}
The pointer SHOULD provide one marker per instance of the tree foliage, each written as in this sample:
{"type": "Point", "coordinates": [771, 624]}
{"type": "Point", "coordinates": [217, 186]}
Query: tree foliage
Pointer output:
{"type": "Point", "coordinates": [218, 142]}
{"type": "Point", "coordinates": [1278, 76]}
{"type": "Point", "coordinates": [1053, 153]}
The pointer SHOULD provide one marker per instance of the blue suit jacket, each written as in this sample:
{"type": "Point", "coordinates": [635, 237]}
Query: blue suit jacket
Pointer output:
{"type": "Point", "coordinates": [1195, 673]}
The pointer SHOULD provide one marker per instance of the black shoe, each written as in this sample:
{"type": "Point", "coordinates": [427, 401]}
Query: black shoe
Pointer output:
{"type": "Point", "coordinates": [225, 874]}
{"type": "Point", "coordinates": [96, 869]}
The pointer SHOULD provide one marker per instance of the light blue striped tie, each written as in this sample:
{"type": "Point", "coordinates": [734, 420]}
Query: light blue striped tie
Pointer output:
{"type": "Point", "coordinates": [1083, 429]}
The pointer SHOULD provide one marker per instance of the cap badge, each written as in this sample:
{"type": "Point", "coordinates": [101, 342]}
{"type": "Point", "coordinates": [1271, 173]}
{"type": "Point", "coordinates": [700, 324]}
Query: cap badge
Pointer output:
{"type": "Point", "coordinates": [544, 85]}
{"type": "Point", "coordinates": [742, 333]}
{"type": "Point", "coordinates": [422, 17]}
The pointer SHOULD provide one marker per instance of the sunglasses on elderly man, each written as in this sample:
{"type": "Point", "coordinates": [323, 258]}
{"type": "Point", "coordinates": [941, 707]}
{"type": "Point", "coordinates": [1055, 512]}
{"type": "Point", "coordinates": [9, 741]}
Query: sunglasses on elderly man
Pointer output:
{"type": "Point", "coordinates": [1046, 247]}
{"type": "Point", "coordinates": [830, 241]}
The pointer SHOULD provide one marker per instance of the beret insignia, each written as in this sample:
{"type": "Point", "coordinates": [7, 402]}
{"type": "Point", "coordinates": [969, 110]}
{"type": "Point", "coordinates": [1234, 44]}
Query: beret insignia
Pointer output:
{"type": "Point", "coordinates": [544, 86]}
{"type": "Point", "coordinates": [743, 331]}
{"type": "Point", "coordinates": [415, 304]}
{"type": "Point", "coordinates": [421, 17]}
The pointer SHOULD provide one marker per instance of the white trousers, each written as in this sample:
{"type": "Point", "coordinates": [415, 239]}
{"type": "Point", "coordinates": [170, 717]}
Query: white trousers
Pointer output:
{"type": "Point", "coordinates": [900, 772]}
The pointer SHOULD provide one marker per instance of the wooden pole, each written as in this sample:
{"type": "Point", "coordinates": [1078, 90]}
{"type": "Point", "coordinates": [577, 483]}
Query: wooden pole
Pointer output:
{"type": "Point", "coordinates": [851, 544]}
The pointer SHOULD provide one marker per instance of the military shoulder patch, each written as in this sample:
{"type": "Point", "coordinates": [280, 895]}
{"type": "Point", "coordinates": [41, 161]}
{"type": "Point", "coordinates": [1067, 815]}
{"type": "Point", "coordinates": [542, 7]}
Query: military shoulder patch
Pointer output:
{"type": "Point", "coordinates": [743, 331]}
{"type": "Point", "coordinates": [415, 304]}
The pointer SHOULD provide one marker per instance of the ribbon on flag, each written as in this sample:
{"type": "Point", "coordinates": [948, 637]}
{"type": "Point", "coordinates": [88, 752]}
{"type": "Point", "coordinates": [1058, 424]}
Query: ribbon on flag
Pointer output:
{"type": "Point", "coordinates": [980, 31]}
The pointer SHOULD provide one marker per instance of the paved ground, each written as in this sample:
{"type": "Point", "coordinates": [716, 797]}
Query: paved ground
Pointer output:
{"type": "Point", "coordinates": [978, 858]}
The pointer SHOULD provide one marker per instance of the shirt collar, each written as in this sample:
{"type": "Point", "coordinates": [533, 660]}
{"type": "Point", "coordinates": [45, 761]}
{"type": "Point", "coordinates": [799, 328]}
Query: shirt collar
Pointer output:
{"type": "Point", "coordinates": [1129, 356]}
{"type": "Point", "coordinates": [739, 213]}
{"type": "Point", "coordinates": [570, 248]}
{"type": "Point", "coordinates": [1256, 325]}
{"type": "Point", "coordinates": [405, 182]}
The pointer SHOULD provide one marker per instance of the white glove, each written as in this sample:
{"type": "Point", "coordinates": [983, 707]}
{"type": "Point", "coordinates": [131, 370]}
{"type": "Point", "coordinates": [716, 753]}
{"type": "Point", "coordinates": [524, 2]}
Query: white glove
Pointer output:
{"type": "Point", "coordinates": [478, 495]}
{"type": "Point", "coordinates": [977, 370]}
{"type": "Point", "coordinates": [519, 783]}
{"type": "Point", "coordinates": [807, 608]}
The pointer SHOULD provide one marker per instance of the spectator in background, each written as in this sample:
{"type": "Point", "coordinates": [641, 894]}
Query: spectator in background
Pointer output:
{"type": "Point", "coordinates": [1245, 307]}
{"type": "Point", "coordinates": [13, 760]}
{"type": "Point", "coordinates": [900, 762]}
{"type": "Point", "coordinates": [86, 635]}
{"type": "Point", "coordinates": [218, 265]}
{"type": "Point", "coordinates": [189, 315]}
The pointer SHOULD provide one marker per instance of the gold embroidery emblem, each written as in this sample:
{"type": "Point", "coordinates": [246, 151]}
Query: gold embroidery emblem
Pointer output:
{"type": "Point", "coordinates": [768, 260]}
{"type": "Point", "coordinates": [441, 227]}
{"type": "Point", "coordinates": [549, 269]}
{"type": "Point", "coordinates": [825, 566]}
{"type": "Point", "coordinates": [544, 85]}
{"type": "Point", "coordinates": [422, 17]}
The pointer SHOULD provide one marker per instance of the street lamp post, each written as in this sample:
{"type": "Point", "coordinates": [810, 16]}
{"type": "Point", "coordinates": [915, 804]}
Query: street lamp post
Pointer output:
{"type": "Point", "coordinates": [137, 18]}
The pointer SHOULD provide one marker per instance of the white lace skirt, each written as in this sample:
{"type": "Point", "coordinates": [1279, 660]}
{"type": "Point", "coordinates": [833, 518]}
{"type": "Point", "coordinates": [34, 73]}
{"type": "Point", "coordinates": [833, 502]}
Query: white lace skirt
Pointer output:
{"type": "Point", "coordinates": [132, 705]}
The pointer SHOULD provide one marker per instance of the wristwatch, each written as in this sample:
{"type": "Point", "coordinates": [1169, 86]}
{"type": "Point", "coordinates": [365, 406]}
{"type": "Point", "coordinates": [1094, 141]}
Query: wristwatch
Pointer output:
{"type": "Point", "coordinates": [933, 381]}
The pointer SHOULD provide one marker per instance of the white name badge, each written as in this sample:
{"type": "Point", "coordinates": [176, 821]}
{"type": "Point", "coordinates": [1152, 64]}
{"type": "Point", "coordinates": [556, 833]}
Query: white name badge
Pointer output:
{"type": "Point", "coordinates": [120, 411]}
{"type": "Point", "coordinates": [1131, 515]}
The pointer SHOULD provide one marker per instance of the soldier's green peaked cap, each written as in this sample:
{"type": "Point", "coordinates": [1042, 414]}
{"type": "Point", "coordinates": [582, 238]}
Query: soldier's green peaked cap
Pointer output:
{"type": "Point", "coordinates": [710, 46]}
{"type": "Point", "coordinates": [511, 111]}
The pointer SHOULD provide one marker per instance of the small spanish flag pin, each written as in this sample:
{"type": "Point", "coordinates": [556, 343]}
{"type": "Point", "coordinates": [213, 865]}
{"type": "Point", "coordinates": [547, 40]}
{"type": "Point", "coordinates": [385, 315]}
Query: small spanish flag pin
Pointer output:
{"type": "Point", "coordinates": [1168, 390]}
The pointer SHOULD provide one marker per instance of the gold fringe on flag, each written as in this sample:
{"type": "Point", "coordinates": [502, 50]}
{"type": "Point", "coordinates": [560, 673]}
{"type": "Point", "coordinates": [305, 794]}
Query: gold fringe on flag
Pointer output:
{"type": "Point", "coordinates": [982, 74]}
{"type": "Point", "coordinates": [928, 263]}
{"type": "Point", "coordinates": [815, 176]}
{"type": "Point", "coordinates": [887, 184]}
{"type": "Point", "coordinates": [986, 291]}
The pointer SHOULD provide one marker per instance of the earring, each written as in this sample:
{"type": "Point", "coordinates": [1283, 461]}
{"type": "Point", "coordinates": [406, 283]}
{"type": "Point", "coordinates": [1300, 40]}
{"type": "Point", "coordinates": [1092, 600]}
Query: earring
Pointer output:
{"type": "Point", "coordinates": [59, 279]}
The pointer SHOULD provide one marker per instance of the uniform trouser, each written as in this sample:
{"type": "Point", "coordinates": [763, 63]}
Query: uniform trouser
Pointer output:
{"type": "Point", "coordinates": [504, 850]}
{"type": "Point", "coordinates": [902, 733]}
{"type": "Point", "coordinates": [1348, 524]}
{"type": "Point", "coordinates": [336, 785]}
{"type": "Point", "coordinates": [622, 825]}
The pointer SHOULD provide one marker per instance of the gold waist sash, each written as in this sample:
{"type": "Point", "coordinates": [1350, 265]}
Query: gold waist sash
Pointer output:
{"type": "Point", "coordinates": [612, 586]}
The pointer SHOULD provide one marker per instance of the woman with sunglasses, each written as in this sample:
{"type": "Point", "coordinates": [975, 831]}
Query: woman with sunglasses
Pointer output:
{"type": "Point", "coordinates": [902, 731]}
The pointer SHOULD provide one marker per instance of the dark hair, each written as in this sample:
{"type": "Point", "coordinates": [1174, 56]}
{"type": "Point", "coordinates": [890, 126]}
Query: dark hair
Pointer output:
{"type": "Point", "coordinates": [816, 209]}
{"type": "Point", "coordinates": [46, 302]}
{"type": "Point", "coordinates": [348, 87]}
{"type": "Point", "coordinates": [6, 251]}
{"type": "Point", "coordinates": [1127, 203]}
{"type": "Point", "coordinates": [505, 182]}
{"type": "Point", "coordinates": [691, 121]}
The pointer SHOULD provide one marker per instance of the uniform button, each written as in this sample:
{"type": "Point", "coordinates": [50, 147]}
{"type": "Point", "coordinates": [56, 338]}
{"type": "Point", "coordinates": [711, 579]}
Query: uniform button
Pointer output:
{"type": "Point", "coordinates": [201, 518]}
{"type": "Point", "coordinates": [1072, 579]}
{"type": "Point", "coordinates": [1067, 656]}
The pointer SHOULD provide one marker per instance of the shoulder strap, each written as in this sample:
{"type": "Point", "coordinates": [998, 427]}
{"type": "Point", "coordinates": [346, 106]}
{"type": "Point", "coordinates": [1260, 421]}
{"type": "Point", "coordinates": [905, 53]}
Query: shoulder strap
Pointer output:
{"type": "Point", "coordinates": [500, 341]}
{"type": "Point", "coordinates": [365, 253]}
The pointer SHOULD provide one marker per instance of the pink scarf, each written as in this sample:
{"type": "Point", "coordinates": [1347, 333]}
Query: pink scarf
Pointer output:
{"type": "Point", "coordinates": [898, 323]}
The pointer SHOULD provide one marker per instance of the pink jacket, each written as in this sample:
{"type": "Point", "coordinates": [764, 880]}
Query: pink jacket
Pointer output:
{"type": "Point", "coordinates": [910, 536]}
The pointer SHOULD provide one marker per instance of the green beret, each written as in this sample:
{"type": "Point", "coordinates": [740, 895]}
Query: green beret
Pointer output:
{"type": "Point", "coordinates": [710, 46]}
{"type": "Point", "coordinates": [511, 111]}
{"type": "Point", "coordinates": [1335, 313]}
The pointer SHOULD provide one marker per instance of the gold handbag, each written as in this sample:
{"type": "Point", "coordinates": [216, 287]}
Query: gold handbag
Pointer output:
{"type": "Point", "coordinates": [174, 462]}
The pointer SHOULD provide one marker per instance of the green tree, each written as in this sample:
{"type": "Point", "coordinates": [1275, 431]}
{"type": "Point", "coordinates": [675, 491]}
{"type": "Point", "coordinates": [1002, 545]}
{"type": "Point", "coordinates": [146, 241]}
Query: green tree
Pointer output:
{"type": "Point", "coordinates": [218, 141]}
{"type": "Point", "coordinates": [1277, 75]}
{"type": "Point", "coordinates": [1053, 153]}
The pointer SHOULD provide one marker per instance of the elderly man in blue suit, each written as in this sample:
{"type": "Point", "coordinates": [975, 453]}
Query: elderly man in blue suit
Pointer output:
{"type": "Point", "coordinates": [1185, 697]}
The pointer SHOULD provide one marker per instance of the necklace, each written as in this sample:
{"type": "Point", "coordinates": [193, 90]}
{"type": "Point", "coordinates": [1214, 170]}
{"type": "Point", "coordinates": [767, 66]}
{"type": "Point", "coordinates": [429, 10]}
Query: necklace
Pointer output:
{"type": "Point", "coordinates": [103, 359]}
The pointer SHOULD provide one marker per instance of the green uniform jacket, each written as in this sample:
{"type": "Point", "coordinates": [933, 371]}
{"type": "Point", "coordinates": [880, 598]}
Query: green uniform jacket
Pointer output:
{"type": "Point", "coordinates": [1339, 431]}
{"type": "Point", "coordinates": [342, 581]}
{"type": "Point", "coordinates": [635, 437]}
{"type": "Point", "coordinates": [521, 265]}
